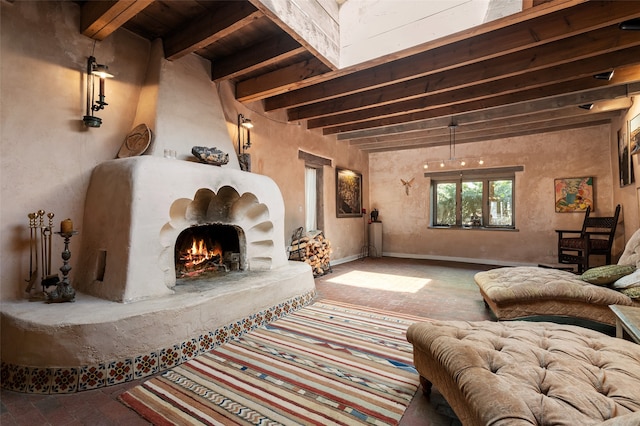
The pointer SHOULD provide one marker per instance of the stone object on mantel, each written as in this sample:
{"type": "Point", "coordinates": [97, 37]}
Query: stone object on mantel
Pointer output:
{"type": "Point", "coordinates": [210, 155]}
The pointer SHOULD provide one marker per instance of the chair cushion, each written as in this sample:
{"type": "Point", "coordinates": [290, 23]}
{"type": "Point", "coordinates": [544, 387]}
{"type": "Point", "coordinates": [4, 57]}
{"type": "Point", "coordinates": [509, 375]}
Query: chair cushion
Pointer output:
{"type": "Point", "coordinates": [599, 244]}
{"type": "Point", "coordinates": [607, 274]}
{"type": "Point", "coordinates": [572, 243]}
{"type": "Point", "coordinates": [578, 243]}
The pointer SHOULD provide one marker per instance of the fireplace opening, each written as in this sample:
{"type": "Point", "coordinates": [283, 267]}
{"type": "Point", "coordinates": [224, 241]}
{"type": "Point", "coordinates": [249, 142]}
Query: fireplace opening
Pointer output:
{"type": "Point", "coordinates": [208, 251]}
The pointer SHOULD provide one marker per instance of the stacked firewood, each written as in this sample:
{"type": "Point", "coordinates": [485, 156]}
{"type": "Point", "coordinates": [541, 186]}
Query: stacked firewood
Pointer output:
{"type": "Point", "coordinates": [312, 248]}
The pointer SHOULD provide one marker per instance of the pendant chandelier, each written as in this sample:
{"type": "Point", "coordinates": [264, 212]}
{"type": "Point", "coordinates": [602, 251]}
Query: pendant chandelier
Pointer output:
{"type": "Point", "coordinates": [452, 162]}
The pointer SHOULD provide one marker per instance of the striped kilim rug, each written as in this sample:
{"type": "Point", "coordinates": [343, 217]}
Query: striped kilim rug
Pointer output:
{"type": "Point", "coordinates": [328, 363]}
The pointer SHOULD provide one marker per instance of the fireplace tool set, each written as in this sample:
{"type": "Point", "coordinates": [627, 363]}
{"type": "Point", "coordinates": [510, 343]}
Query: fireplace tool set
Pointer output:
{"type": "Point", "coordinates": [40, 257]}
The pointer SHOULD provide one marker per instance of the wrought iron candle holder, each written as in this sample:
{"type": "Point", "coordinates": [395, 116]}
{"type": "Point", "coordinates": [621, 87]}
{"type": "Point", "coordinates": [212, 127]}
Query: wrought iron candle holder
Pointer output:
{"type": "Point", "coordinates": [64, 292]}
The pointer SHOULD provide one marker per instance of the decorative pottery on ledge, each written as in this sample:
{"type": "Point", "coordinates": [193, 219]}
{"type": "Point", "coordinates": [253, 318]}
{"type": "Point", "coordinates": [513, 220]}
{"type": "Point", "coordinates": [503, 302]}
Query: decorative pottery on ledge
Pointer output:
{"type": "Point", "coordinates": [210, 155]}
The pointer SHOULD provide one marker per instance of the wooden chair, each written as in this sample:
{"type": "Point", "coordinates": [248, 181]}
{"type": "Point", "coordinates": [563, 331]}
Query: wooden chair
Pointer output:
{"type": "Point", "coordinates": [595, 238]}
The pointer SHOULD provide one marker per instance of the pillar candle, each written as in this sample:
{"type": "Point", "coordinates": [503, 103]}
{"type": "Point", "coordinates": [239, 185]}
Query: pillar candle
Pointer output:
{"type": "Point", "coordinates": [66, 226]}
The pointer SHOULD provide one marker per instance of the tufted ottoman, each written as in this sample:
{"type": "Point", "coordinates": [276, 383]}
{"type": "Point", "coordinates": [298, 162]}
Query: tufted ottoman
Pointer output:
{"type": "Point", "coordinates": [524, 373]}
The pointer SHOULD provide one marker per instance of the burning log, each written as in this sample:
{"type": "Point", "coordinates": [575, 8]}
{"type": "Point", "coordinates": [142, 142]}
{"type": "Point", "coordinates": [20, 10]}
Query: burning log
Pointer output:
{"type": "Point", "coordinates": [313, 249]}
{"type": "Point", "coordinates": [198, 258]}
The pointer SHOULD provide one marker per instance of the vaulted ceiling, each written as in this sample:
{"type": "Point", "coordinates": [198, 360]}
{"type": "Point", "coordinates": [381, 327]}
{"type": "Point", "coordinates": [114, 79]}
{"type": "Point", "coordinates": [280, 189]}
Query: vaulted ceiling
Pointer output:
{"type": "Point", "coordinates": [523, 74]}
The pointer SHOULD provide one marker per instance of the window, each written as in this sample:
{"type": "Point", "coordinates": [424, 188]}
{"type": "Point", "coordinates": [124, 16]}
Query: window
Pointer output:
{"type": "Point", "coordinates": [310, 199]}
{"type": "Point", "coordinates": [313, 190]}
{"type": "Point", "coordinates": [474, 198]}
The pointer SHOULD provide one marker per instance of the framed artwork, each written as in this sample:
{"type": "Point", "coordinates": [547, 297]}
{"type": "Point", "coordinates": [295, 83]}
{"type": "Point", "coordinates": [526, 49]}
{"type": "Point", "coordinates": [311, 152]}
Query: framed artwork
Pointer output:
{"type": "Point", "coordinates": [348, 193]}
{"type": "Point", "coordinates": [624, 160]}
{"type": "Point", "coordinates": [574, 194]}
{"type": "Point", "coordinates": [634, 134]}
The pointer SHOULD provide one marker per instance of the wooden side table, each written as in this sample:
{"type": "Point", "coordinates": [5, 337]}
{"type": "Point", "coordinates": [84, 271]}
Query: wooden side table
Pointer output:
{"type": "Point", "coordinates": [627, 321]}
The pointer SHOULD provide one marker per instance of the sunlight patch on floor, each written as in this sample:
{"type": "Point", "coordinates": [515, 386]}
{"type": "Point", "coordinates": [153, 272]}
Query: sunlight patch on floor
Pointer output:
{"type": "Point", "coordinates": [378, 281]}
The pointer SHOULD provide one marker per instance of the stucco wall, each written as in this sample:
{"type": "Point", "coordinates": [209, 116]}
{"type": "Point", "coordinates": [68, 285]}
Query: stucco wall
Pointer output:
{"type": "Point", "coordinates": [274, 152]}
{"type": "Point", "coordinates": [47, 153]}
{"type": "Point", "coordinates": [573, 153]}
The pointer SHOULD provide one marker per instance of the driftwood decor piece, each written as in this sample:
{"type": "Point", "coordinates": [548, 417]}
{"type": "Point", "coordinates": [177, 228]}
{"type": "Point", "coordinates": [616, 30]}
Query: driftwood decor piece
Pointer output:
{"type": "Point", "coordinates": [210, 155]}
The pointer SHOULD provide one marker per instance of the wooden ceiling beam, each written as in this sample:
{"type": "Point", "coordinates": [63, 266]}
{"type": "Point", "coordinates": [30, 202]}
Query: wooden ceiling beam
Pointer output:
{"type": "Point", "coordinates": [270, 51]}
{"type": "Point", "coordinates": [567, 74]}
{"type": "Point", "coordinates": [467, 123]}
{"type": "Point", "coordinates": [506, 40]}
{"type": "Point", "coordinates": [552, 127]}
{"type": "Point", "coordinates": [478, 118]}
{"type": "Point", "coordinates": [209, 28]}
{"type": "Point", "coordinates": [559, 55]}
{"type": "Point", "coordinates": [472, 133]}
{"type": "Point", "coordinates": [500, 107]}
{"type": "Point", "coordinates": [273, 82]}
{"type": "Point", "coordinates": [99, 19]}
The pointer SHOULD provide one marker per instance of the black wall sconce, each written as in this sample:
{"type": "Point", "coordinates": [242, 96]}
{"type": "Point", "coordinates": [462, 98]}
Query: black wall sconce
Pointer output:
{"type": "Point", "coordinates": [102, 72]}
{"type": "Point", "coordinates": [244, 133]}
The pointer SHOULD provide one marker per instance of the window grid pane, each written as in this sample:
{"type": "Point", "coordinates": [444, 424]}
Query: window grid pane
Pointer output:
{"type": "Point", "coordinates": [501, 203]}
{"type": "Point", "coordinates": [446, 203]}
{"type": "Point", "coordinates": [472, 203]}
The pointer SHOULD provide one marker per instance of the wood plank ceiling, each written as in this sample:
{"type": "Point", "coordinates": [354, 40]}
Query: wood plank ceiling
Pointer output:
{"type": "Point", "coordinates": [523, 74]}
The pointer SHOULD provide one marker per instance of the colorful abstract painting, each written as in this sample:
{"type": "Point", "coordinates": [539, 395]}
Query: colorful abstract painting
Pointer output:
{"type": "Point", "coordinates": [574, 194]}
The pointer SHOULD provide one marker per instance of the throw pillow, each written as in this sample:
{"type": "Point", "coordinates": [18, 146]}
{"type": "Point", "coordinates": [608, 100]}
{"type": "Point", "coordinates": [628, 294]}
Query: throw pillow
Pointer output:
{"type": "Point", "coordinates": [633, 292]}
{"type": "Point", "coordinates": [604, 275]}
{"type": "Point", "coordinates": [628, 281]}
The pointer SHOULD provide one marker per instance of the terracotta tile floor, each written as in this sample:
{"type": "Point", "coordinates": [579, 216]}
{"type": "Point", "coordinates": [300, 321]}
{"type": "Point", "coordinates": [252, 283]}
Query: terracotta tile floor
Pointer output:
{"type": "Point", "coordinates": [431, 289]}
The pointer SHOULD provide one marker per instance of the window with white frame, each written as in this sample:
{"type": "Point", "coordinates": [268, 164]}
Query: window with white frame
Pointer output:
{"type": "Point", "coordinates": [474, 198]}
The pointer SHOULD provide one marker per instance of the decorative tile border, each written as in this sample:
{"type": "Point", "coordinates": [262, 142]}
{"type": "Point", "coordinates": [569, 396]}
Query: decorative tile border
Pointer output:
{"type": "Point", "coordinates": [43, 380]}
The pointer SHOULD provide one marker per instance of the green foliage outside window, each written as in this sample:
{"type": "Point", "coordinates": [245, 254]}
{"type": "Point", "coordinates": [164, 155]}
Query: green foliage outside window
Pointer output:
{"type": "Point", "coordinates": [476, 202]}
{"type": "Point", "coordinates": [446, 204]}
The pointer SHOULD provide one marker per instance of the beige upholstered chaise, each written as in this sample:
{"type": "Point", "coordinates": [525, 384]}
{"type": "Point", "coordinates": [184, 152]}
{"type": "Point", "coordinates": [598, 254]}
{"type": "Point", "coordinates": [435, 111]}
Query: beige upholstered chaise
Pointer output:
{"type": "Point", "coordinates": [525, 291]}
{"type": "Point", "coordinates": [529, 373]}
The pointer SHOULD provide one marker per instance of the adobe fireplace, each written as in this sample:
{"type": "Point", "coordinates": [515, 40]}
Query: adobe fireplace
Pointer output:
{"type": "Point", "coordinates": [141, 214]}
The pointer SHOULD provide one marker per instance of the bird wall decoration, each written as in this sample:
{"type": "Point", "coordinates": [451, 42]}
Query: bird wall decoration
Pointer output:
{"type": "Point", "coordinates": [407, 184]}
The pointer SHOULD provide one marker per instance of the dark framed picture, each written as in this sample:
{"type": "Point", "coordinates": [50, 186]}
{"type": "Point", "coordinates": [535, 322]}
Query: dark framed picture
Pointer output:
{"type": "Point", "coordinates": [624, 160]}
{"type": "Point", "coordinates": [348, 193]}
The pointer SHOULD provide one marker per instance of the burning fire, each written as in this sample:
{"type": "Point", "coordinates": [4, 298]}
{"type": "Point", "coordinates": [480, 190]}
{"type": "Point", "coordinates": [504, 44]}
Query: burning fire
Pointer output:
{"type": "Point", "coordinates": [199, 254]}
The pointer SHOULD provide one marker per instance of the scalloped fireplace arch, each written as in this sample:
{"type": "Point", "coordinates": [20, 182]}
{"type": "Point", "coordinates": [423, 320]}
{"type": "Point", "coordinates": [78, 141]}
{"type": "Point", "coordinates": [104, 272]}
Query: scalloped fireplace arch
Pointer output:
{"type": "Point", "coordinates": [226, 207]}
